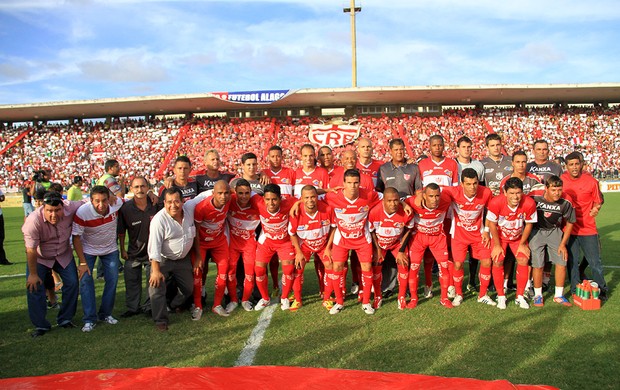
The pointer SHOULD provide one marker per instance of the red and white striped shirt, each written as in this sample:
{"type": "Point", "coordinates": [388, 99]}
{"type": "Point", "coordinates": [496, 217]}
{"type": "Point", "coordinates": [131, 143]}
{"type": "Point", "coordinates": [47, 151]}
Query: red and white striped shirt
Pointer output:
{"type": "Point", "coordinates": [97, 232]}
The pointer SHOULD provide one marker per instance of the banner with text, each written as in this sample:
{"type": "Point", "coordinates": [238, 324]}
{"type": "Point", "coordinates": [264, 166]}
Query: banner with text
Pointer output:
{"type": "Point", "coordinates": [254, 97]}
{"type": "Point", "coordinates": [334, 133]}
{"type": "Point", "coordinates": [610, 186]}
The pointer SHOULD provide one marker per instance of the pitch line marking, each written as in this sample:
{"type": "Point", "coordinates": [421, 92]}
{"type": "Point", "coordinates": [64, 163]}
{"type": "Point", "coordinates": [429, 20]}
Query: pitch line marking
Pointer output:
{"type": "Point", "coordinates": [248, 353]}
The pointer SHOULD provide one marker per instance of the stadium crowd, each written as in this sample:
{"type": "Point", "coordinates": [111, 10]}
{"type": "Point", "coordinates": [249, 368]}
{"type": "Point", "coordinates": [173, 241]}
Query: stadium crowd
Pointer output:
{"type": "Point", "coordinates": [141, 147]}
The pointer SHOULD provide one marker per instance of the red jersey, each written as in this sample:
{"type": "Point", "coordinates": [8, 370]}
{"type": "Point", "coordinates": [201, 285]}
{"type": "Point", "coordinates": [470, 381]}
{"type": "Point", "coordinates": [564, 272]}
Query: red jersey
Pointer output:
{"type": "Point", "coordinates": [584, 192]}
{"type": "Point", "coordinates": [275, 226]}
{"type": "Point", "coordinates": [366, 182]}
{"type": "Point", "coordinates": [210, 221]}
{"type": "Point", "coordinates": [312, 230]}
{"type": "Point", "coordinates": [467, 213]}
{"type": "Point", "coordinates": [510, 222]}
{"type": "Point", "coordinates": [430, 221]}
{"type": "Point", "coordinates": [242, 223]}
{"type": "Point", "coordinates": [317, 178]}
{"type": "Point", "coordinates": [350, 218]}
{"type": "Point", "coordinates": [371, 170]}
{"type": "Point", "coordinates": [336, 170]}
{"type": "Point", "coordinates": [285, 178]}
{"type": "Point", "coordinates": [444, 173]}
{"type": "Point", "coordinates": [388, 227]}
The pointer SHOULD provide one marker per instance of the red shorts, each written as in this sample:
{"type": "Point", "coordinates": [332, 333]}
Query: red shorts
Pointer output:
{"type": "Point", "coordinates": [514, 247]}
{"type": "Point", "coordinates": [437, 245]}
{"type": "Point", "coordinates": [308, 252]}
{"type": "Point", "coordinates": [247, 251]}
{"type": "Point", "coordinates": [341, 254]}
{"type": "Point", "coordinates": [266, 250]}
{"type": "Point", "coordinates": [478, 251]}
{"type": "Point", "coordinates": [218, 249]}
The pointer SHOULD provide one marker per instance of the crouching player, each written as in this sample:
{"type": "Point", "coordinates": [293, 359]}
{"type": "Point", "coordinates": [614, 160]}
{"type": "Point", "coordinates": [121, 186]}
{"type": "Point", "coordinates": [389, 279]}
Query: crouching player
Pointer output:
{"type": "Point", "coordinates": [510, 218]}
{"type": "Point", "coordinates": [310, 231]}
{"type": "Point", "coordinates": [389, 227]}
{"type": "Point", "coordinates": [547, 237]}
{"type": "Point", "coordinates": [469, 201]}
{"type": "Point", "coordinates": [429, 219]}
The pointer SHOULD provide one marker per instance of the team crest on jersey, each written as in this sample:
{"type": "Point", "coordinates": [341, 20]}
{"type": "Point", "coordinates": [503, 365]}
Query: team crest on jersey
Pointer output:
{"type": "Point", "coordinates": [499, 176]}
{"type": "Point", "coordinates": [547, 214]}
{"type": "Point", "coordinates": [407, 177]}
{"type": "Point", "coordinates": [315, 183]}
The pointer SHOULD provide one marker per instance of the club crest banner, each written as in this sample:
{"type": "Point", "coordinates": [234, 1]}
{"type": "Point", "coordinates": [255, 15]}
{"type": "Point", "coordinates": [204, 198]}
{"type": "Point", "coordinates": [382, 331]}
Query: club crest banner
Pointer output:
{"type": "Point", "coordinates": [334, 133]}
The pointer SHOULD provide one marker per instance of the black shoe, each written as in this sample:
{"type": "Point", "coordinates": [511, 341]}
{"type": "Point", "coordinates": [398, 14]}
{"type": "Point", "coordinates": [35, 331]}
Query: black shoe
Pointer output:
{"type": "Point", "coordinates": [68, 325]}
{"type": "Point", "coordinates": [129, 313]}
{"type": "Point", "coordinates": [38, 332]}
{"type": "Point", "coordinates": [6, 262]}
{"type": "Point", "coordinates": [387, 294]}
{"type": "Point", "coordinates": [603, 296]}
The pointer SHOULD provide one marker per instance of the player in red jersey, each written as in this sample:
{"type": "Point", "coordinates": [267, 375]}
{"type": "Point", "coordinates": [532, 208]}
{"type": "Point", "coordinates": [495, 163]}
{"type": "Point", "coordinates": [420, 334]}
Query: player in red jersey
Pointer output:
{"type": "Point", "coordinates": [350, 212]}
{"type": "Point", "coordinates": [310, 231]}
{"type": "Point", "coordinates": [429, 219]}
{"type": "Point", "coordinates": [309, 172]}
{"type": "Point", "coordinates": [510, 218]}
{"type": "Point", "coordinates": [326, 160]}
{"type": "Point", "coordinates": [285, 178]}
{"type": "Point", "coordinates": [273, 239]}
{"type": "Point", "coordinates": [469, 201]}
{"type": "Point", "coordinates": [444, 172]}
{"type": "Point", "coordinates": [242, 219]}
{"type": "Point", "coordinates": [366, 164]}
{"type": "Point", "coordinates": [211, 238]}
{"type": "Point", "coordinates": [348, 159]}
{"type": "Point", "coordinates": [389, 227]}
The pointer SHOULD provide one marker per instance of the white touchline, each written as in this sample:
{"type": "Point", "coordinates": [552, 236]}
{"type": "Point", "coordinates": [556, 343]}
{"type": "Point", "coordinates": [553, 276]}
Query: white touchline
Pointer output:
{"type": "Point", "coordinates": [246, 357]}
{"type": "Point", "coordinates": [12, 276]}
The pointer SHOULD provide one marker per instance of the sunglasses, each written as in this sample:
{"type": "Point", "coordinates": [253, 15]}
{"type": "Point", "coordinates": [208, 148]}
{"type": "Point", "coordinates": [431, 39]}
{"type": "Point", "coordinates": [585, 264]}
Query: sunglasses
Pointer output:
{"type": "Point", "coordinates": [52, 199]}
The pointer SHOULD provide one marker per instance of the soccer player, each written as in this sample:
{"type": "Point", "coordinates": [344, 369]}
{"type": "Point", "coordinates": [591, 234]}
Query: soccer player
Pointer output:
{"type": "Point", "coordinates": [210, 221]}
{"type": "Point", "coordinates": [348, 159]}
{"type": "Point", "coordinates": [430, 214]}
{"type": "Point", "coordinates": [181, 169]}
{"type": "Point", "coordinates": [309, 172]}
{"type": "Point", "coordinates": [366, 164]}
{"type": "Point", "coordinates": [273, 239]}
{"type": "Point", "coordinates": [510, 218]}
{"type": "Point", "coordinates": [243, 219]}
{"type": "Point", "coordinates": [282, 176]}
{"type": "Point", "coordinates": [389, 227]}
{"type": "Point", "coordinates": [398, 173]}
{"type": "Point", "coordinates": [249, 166]}
{"type": "Point", "coordinates": [309, 232]}
{"type": "Point", "coordinates": [469, 200]}
{"type": "Point", "coordinates": [542, 166]}
{"type": "Point", "coordinates": [350, 212]}
{"type": "Point", "coordinates": [548, 238]}
{"type": "Point", "coordinates": [496, 164]}
{"type": "Point", "coordinates": [326, 160]}
{"type": "Point", "coordinates": [587, 200]}
{"type": "Point", "coordinates": [207, 179]}
{"type": "Point", "coordinates": [530, 181]}
{"type": "Point", "coordinates": [134, 219]}
{"type": "Point", "coordinates": [94, 235]}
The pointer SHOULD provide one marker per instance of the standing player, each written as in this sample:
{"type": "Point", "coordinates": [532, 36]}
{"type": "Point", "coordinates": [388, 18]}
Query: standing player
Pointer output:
{"type": "Point", "coordinates": [243, 219]}
{"type": "Point", "coordinates": [350, 211]}
{"type": "Point", "coordinates": [588, 200]}
{"type": "Point", "coordinates": [210, 221]}
{"type": "Point", "coordinates": [542, 166]}
{"type": "Point", "coordinates": [496, 165]}
{"type": "Point", "coordinates": [389, 227]}
{"type": "Point", "coordinates": [398, 173]}
{"type": "Point", "coordinates": [326, 160]}
{"type": "Point", "coordinates": [181, 169]}
{"type": "Point", "coordinates": [366, 164]}
{"type": "Point", "coordinates": [548, 238]}
{"type": "Point", "coordinates": [273, 239]}
{"type": "Point", "coordinates": [309, 232]}
{"type": "Point", "coordinates": [249, 166]}
{"type": "Point", "coordinates": [530, 181]}
{"type": "Point", "coordinates": [510, 219]}
{"type": "Point", "coordinates": [207, 179]}
{"type": "Point", "coordinates": [429, 219]}
{"type": "Point", "coordinates": [348, 159]}
{"type": "Point", "coordinates": [309, 172]}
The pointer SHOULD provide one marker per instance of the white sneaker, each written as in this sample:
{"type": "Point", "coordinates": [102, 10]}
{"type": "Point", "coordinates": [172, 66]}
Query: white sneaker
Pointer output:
{"type": "Point", "coordinates": [501, 302]}
{"type": "Point", "coordinates": [457, 300]}
{"type": "Point", "coordinates": [451, 292]}
{"type": "Point", "coordinates": [247, 305]}
{"type": "Point", "coordinates": [220, 311]}
{"type": "Point", "coordinates": [196, 313]}
{"type": "Point", "coordinates": [231, 306]}
{"type": "Point", "coordinates": [110, 320]}
{"type": "Point", "coordinates": [88, 327]}
{"type": "Point", "coordinates": [285, 304]}
{"type": "Point", "coordinates": [263, 303]}
{"type": "Point", "coordinates": [522, 303]}
{"type": "Point", "coordinates": [367, 307]}
{"type": "Point", "coordinates": [354, 289]}
{"type": "Point", "coordinates": [337, 308]}
{"type": "Point", "coordinates": [428, 292]}
{"type": "Point", "coordinates": [487, 299]}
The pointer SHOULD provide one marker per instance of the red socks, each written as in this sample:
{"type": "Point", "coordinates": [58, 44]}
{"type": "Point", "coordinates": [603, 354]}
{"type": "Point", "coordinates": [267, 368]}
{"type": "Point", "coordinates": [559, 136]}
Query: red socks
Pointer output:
{"type": "Point", "coordinates": [522, 277]}
{"type": "Point", "coordinates": [485, 278]}
{"type": "Point", "coordinates": [261, 281]}
{"type": "Point", "coordinates": [287, 279]}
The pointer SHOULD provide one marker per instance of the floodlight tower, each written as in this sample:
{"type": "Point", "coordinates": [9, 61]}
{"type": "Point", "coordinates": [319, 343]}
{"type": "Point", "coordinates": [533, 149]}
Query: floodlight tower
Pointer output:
{"type": "Point", "coordinates": [352, 9]}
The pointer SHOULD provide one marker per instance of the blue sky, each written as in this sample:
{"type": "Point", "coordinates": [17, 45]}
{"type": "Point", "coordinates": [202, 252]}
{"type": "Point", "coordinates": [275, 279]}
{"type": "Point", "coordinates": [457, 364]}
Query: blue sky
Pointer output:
{"type": "Point", "coordinates": [52, 50]}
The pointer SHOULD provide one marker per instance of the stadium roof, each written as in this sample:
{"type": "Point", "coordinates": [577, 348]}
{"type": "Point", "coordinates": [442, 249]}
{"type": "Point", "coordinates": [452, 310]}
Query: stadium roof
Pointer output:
{"type": "Point", "coordinates": [338, 97]}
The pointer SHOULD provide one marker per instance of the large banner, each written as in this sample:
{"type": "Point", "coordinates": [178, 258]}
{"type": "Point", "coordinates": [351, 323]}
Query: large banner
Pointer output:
{"type": "Point", "coordinates": [610, 186]}
{"type": "Point", "coordinates": [334, 133]}
{"type": "Point", "coordinates": [255, 97]}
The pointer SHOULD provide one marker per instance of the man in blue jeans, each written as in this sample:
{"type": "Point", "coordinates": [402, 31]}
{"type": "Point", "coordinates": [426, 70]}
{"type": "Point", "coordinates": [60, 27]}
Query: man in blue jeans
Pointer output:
{"type": "Point", "coordinates": [94, 235]}
{"type": "Point", "coordinates": [47, 233]}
